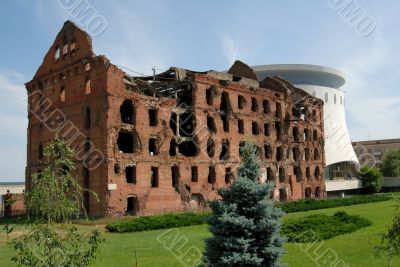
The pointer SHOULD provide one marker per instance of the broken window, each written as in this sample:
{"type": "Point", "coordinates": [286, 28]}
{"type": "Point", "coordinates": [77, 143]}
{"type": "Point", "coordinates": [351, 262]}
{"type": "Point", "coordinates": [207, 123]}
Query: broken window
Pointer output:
{"type": "Point", "coordinates": [125, 142]}
{"type": "Point", "coordinates": [254, 128]}
{"type": "Point", "coordinates": [241, 101]}
{"type": "Point", "coordinates": [86, 118]}
{"type": "Point", "coordinates": [172, 147]}
{"type": "Point", "coordinates": [225, 122]}
{"type": "Point", "coordinates": [316, 154]}
{"type": "Point", "coordinates": [86, 194]}
{"type": "Point", "coordinates": [296, 134]}
{"type": "Point", "coordinates": [132, 205]}
{"type": "Point", "coordinates": [317, 173]}
{"type": "Point", "coordinates": [296, 112]}
{"type": "Point", "coordinates": [308, 173]}
{"type": "Point", "coordinates": [254, 104]}
{"type": "Point", "coordinates": [270, 175]}
{"type": "Point", "coordinates": [87, 85]}
{"type": "Point", "coordinates": [175, 176]}
{"type": "Point", "coordinates": [87, 66]}
{"type": "Point", "coordinates": [186, 124]}
{"type": "Point", "coordinates": [40, 150]}
{"type": "Point", "coordinates": [307, 153]}
{"type": "Point", "coordinates": [279, 153]}
{"type": "Point", "coordinates": [210, 148]}
{"type": "Point", "coordinates": [154, 177]}
{"type": "Point", "coordinates": [117, 168]}
{"type": "Point", "coordinates": [225, 103]}
{"type": "Point", "coordinates": [278, 130]}
{"type": "Point", "coordinates": [195, 174]}
{"type": "Point", "coordinates": [210, 95]}
{"type": "Point", "coordinates": [282, 175]}
{"type": "Point", "coordinates": [306, 134]}
{"type": "Point", "coordinates": [153, 117]}
{"type": "Point", "coordinates": [298, 173]}
{"type": "Point", "coordinates": [130, 174]}
{"type": "Point", "coordinates": [278, 110]}
{"type": "Point", "coordinates": [240, 126]}
{"type": "Point", "coordinates": [87, 145]}
{"type": "Point", "coordinates": [211, 175]}
{"type": "Point", "coordinates": [228, 175]}
{"type": "Point", "coordinates": [317, 193]}
{"type": "Point", "coordinates": [57, 53]}
{"type": "Point", "coordinates": [315, 135]}
{"type": "Point", "coordinates": [173, 122]}
{"type": "Point", "coordinates": [267, 151]}
{"type": "Point", "coordinates": [65, 49]}
{"type": "Point", "coordinates": [307, 192]}
{"type": "Point", "coordinates": [296, 154]}
{"type": "Point", "coordinates": [282, 195]}
{"type": "Point", "coordinates": [211, 124]}
{"type": "Point", "coordinates": [188, 148]}
{"type": "Point", "coordinates": [62, 94]}
{"type": "Point", "coordinates": [266, 106]}
{"type": "Point", "coordinates": [127, 112]}
{"type": "Point", "coordinates": [153, 146]}
{"type": "Point", "coordinates": [185, 96]}
{"type": "Point", "coordinates": [267, 130]}
{"type": "Point", "coordinates": [224, 150]}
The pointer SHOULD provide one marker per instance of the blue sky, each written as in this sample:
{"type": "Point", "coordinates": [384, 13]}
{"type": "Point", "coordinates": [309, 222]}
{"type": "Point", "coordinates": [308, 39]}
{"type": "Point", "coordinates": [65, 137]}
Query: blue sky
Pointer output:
{"type": "Point", "coordinates": [203, 35]}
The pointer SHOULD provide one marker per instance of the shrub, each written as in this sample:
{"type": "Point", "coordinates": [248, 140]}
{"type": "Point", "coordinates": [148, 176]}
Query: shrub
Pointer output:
{"type": "Point", "coordinates": [372, 178]}
{"type": "Point", "coordinates": [321, 226]}
{"type": "Point", "coordinates": [391, 164]}
{"type": "Point", "coordinates": [157, 222]}
{"type": "Point", "coordinates": [312, 204]}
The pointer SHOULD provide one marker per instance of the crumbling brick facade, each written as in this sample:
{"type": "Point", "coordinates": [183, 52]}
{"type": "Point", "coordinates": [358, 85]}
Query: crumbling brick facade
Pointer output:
{"type": "Point", "coordinates": [166, 143]}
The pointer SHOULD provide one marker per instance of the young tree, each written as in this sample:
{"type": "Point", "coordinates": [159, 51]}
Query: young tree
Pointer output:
{"type": "Point", "coordinates": [55, 196]}
{"type": "Point", "coordinates": [245, 223]}
{"type": "Point", "coordinates": [371, 178]}
{"type": "Point", "coordinates": [391, 164]}
{"type": "Point", "coordinates": [390, 242]}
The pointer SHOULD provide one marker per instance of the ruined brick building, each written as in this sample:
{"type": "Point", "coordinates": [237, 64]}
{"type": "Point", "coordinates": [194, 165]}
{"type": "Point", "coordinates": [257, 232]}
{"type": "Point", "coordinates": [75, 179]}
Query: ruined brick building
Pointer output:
{"type": "Point", "coordinates": [167, 142]}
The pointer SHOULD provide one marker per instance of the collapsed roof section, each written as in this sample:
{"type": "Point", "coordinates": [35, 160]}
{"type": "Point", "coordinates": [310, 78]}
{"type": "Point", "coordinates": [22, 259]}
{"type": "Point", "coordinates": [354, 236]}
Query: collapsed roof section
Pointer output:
{"type": "Point", "coordinates": [176, 82]}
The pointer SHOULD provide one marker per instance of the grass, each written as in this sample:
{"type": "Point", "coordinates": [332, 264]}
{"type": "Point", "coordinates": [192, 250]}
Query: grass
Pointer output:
{"type": "Point", "coordinates": [354, 249]}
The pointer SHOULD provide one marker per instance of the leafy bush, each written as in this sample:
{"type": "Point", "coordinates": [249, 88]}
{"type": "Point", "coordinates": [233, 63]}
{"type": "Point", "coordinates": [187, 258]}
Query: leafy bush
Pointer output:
{"type": "Point", "coordinates": [371, 178]}
{"type": "Point", "coordinates": [187, 219]}
{"type": "Point", "coordinates": [312, 204]}
{"type": "Point", "coordinates": [157, 222]}
{"type": "Point", "coordinates": [321, 227]}
{"type": "Point", "coordinates": [391, 164]}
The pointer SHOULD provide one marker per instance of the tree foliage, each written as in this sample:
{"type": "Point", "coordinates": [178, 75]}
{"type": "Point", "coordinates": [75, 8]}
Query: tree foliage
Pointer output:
{"type": "Point", "coordinates": [55, 195]}
{"type": "Point", "coordinates": [390, 166]}
{"type": "Point", "coordinates": [390, 241]}
{"type": "Point", "coordinates": [245, 224]}
{"type": "Point", "coordinates": [44, 246]}
{"type": "Point", "coordinates": [371, 178]}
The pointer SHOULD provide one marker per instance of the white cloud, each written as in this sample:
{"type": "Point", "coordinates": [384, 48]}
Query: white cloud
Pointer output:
{"type": "Point", "coordinates": [233, 50]}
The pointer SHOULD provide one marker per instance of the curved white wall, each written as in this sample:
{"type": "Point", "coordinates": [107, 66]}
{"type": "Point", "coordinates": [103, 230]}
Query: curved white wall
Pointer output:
{"type": "Point", "coordinates": [338, 146]}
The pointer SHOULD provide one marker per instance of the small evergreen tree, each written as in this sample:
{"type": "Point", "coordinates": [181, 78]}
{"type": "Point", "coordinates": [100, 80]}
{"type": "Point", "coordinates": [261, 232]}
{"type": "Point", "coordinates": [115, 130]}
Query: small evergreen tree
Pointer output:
{"type": "Point", "coordinates": [371, 178]}
{"type": "Point", "coordinates": [391, 164]}
{"type": "Point", "coordinates": [245, 223]}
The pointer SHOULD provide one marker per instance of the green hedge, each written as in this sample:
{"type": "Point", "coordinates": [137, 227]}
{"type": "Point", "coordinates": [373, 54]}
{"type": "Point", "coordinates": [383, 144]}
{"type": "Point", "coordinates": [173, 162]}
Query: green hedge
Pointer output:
{"type": "Point", "coordinates": [187, 219]}
{"type": "Point", "coordinates": [321, 226]}
{"type": "Point", "coordinates": [312, 204]}
{"type": "Point", "coordinates": [157, 222]}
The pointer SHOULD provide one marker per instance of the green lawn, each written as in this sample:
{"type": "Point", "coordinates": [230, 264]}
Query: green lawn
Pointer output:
{"type": "Point", "coordinates": [354, 249]}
